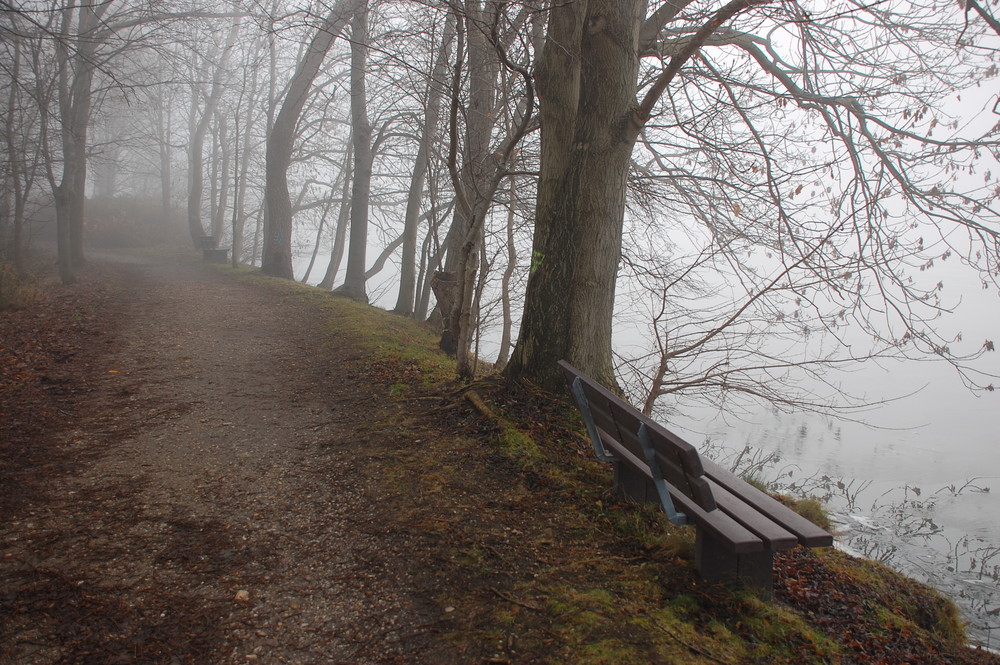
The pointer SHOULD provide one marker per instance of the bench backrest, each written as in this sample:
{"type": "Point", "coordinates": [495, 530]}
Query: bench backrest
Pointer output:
{"type": "Point", "coordinates": [620, 426]}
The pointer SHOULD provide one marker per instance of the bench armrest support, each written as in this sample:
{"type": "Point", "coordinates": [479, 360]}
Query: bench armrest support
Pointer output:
{"type": "Point", "coordinates": [666, 502]}
{"type": "Point", "coordinates": [588, 420]}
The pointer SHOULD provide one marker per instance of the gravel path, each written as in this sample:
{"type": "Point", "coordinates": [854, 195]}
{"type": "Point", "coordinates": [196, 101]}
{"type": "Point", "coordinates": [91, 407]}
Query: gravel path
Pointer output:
{"type": "Point", "coordinates": [216, 508]}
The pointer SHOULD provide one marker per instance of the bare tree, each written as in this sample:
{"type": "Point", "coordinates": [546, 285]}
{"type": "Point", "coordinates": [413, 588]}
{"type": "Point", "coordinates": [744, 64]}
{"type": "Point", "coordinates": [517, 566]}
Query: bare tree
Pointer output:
{"type": "Point", "coordinates": [343, 219]}
{"type": "Point", "coordinates": [421, 162]}
{"type": "Point", "coordinates": [974, 5]}
{"type": "Point", "coordinates": [22, 147]}
{"type": "Point", "coordinates": [80, 32]}
{"type": "Point", "coordinates": [361, 142]}
{"type": "Point", "coordinates": [484, 166]}
{"type": "Point", "coordinates": [218, 62]}
{"type": "Point", "coordinates": [277, 258]}
{"type": "Point", "coordinates": [702, 117]}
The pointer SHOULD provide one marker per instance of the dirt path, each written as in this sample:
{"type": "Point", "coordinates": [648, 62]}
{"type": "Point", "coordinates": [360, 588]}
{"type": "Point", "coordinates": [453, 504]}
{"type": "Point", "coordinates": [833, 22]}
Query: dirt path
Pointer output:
{"type": "Point", "coordinates": [209, 509]}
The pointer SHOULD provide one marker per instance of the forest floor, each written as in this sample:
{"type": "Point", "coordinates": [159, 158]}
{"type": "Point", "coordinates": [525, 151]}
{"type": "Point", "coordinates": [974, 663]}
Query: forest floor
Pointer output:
{"type": "Point", "coordinates": [199, 467]}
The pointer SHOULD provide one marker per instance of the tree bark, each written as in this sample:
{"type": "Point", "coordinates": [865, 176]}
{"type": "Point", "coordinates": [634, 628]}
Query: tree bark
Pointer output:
{"type": "Point", "coordinates": [222, 191]}
{"type": "Point", "coordinates": [240, 174]}
{"type": "Point", "coordinates": [587, 87]}
{"type": "Point", "coordinates": [16, 158]}
{"type": "Point", "coordinates": [319, 240]}
{"type": "Point", "coordinates": [361, 139]}
{"type": "Point", "coordinates": [484, 168]}
{"type": "Point", "coordinates": [343, 217]}
{"type": "Point", "coordinates": [475, 182]}
{"type": "Point", "coordinates": [430, 254]}
{"type": "Point", "coordinates": [163, 130]}
{"type": "Point", "coordinates": [508, 272]}
{"type": "Point", "coordinates": [76, 75]}
{"type": "Point", "coordinates": [277, 255]}
{"type": "Point", "coordinates": [590, 122]}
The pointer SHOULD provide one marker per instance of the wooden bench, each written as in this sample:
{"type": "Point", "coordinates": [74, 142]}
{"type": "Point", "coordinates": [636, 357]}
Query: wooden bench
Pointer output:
{"type": "Point", "coordinates": [738, 527]}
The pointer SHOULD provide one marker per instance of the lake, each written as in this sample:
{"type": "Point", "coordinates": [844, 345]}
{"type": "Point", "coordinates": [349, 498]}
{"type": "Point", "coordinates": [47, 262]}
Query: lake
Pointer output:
{"type": "Point", "coordinates": [921, 492]}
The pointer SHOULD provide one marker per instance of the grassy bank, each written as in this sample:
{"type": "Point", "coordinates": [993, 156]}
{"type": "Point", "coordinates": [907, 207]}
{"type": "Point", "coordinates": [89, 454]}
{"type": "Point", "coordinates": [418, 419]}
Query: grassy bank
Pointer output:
{"type": "Point", "coordinates": [532, 559]}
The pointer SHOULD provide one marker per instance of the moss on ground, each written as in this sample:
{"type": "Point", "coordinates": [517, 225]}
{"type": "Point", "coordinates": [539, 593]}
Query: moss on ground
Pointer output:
{"type": "Point", "coordinates": [530, 557]}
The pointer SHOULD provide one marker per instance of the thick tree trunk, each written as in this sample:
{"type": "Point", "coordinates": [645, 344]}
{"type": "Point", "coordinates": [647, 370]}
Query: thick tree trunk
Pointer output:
{"type": "Point", "coordinates": [277, 256]}
{"type": "Point", "coordinates": [590, 121]}
{"type": "Point", "coordinates": [75, 95]}
{"type": "Point", "coordinates": [361, 139]}
{"type": "Point", "coordinates": [587, 98]}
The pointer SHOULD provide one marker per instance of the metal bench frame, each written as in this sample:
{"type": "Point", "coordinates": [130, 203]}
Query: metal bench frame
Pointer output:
{"type": "Point", "coordinates": [738, 527]}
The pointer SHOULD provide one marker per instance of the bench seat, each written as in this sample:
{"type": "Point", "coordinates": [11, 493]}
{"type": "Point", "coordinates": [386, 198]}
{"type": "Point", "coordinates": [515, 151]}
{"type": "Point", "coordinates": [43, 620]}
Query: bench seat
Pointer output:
{"type": "Point", "coordinates": [738, 527]}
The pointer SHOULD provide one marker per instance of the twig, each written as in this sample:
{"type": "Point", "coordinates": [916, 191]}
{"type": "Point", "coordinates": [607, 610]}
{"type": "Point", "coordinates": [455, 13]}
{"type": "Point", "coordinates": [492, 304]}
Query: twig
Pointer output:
{"type": "Point", "coordinates": [515, 601]}
{"type": "Point", "coordinates": [691, 647]}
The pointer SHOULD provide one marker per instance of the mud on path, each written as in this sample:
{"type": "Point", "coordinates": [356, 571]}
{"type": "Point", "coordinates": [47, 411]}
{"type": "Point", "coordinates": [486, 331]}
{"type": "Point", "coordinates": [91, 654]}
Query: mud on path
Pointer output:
{"type": "Point", "coordinates": [202, 503]}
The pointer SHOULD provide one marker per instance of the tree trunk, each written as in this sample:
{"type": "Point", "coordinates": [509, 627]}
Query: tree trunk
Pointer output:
{"type": "Point", "coordinates": [475, 182]}
{"type": "Point", "coordinates": [76, 77]}
{"type": "Point", "coordinates": [361, 137]}
{"type": "Point", "coordinates": [430, 256]}
{"type": "Point", "coordinates": [218, 221]}
{"type": "Point", "coordinates": [15, 158]}
{"type": "Point", "coordinates": [261, 221]}
{"type": "Point", "coordinates": [163, 129]}
{"type": "Point", "coordinates": [508, 272]}
{"type": "Point", "coordinates": [214, 162]}
{"type": "Point", "coordinates": [106, 179]}
{"type": "Point", "coordinates": [484, 167]}
{"type": "Point", "coordinates": [277, 257]}
{"type": "Point", "coordinates": [242, 159]}
{"type": "Point", "coordinates": [587, 86]}
{"type": "Point", "coordinates": [432, 112]}
{"type": "Point", "coordinates": [196, 157]}
{"type": "Point", "coordinates": [319, 240]}
{"type": "Point", "coordinates": [340, 233]}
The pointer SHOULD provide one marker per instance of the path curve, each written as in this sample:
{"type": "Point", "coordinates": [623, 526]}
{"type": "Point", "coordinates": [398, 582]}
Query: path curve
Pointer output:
{"type": "Point", "coordinates": [221, 517]}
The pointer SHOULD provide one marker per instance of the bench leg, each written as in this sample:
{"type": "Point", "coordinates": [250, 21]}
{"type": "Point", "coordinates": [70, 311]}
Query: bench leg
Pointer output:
{"type": "Point", "coordinates": [715, 561]}
{"type": "Point", "coordinates": [634, 485]}
{"type": "Point", "coordinates": [712, 559]}
{"type": "Point", "coordinates": [757, 569]}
